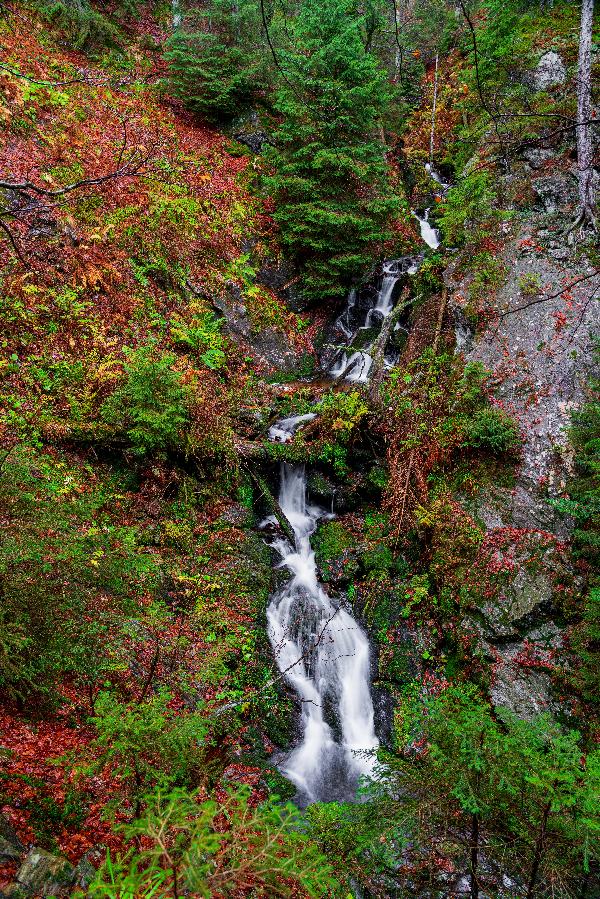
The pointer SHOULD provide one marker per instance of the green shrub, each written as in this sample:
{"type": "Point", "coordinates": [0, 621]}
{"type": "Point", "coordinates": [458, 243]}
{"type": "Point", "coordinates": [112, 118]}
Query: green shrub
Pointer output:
{"type": "Point", "coordinates": [488, 275]}
{"type": "Point", "coordinates": [150, 409]}
{"type": "Point", "coordinates": [194, 848]}
{"type": "Point", "coordinates": [147, 744]}
{"type": "Point", "coordinates": [378, 558]}
{"type": "Point", "coordinates": [583, 504]}
{"type": "Point", "coordinates": [340, 412]}
{"type": "Point", "coordinates": [86, 27]}
{"type": "Point", "coordinates": [202, 336]}
{"type": "Point", "coordinates": [61, 549]}
{"type": "Point", "coordinates": [467, 207]}
{"type": "Point", "coordinates": [493, 430]}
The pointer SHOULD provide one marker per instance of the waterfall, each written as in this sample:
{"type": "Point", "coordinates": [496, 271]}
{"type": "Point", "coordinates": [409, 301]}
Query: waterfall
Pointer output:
{"type": "Point", "coordinates": [320, 649]}
{"type": "Point", "coordinates": [435, 175]}
{"type": "Point", "coordinates": [284, 429]}
{"type": "Point", "coordinates": [324, 655]}
{"type": "Point", "coordinates": [430, 235]}
{"type": "Point", "coordinates": [356, 365]}
{"type": "Point", "coordinates": [383, 304]}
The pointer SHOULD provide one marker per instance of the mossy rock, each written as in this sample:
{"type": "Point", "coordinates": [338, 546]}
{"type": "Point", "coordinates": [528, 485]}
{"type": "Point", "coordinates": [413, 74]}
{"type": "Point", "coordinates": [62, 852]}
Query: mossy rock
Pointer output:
{"type": "Point", "coordinates": [44, 874]}
{"type": "Point", "coordinates": [337, 553]}
{"type": "Point", "coordinates": [279, 785]}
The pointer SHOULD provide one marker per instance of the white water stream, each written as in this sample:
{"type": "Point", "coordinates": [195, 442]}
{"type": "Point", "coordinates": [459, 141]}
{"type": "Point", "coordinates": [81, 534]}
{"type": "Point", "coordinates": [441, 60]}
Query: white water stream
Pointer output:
{"type": "Point", "coordinates": [430, 235]}
{"type": "Point", "coordinates": [324, 655]}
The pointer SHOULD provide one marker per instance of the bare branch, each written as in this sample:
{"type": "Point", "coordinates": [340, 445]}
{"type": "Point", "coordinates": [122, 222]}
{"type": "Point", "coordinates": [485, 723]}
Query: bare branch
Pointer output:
{"type": "Point", "coordinates": [552, 296]}
{"type": "Point", "coordinates": [4, 227]}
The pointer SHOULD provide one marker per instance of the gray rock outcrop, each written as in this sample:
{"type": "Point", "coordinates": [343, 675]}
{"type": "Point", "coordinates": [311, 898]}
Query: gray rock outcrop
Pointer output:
{"type": "Point", "coordinates": [550, 72]}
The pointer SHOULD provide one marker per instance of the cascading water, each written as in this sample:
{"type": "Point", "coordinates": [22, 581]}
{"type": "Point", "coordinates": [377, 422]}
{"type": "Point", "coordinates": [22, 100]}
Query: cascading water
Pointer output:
{"type": "Point", "coordinates": [430, 235]}
{"type": "Point", "coordinates": [356, 366]}
{"type": "Point", "coordinates": [384, 304]}
{"type": "Point", "coordinates": [319, 647]}
{"type": "Point", "coordinates": [284, 430]}
{"type": "Point", "coordinates": [435, 175]}
{"type": "Point", "coordinates": [324, 655]}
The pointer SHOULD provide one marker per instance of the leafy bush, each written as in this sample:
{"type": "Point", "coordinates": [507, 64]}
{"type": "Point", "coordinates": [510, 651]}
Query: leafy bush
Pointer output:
{"type": "Point", "coordinates": [148, 744]}
{"type": "Point", "coordinates": [339, 413]}
{"type": "Point", "coordinates": [86, 26]}
{"type": "Point", "coordinates": [378, 558]}
{"type": "Point", "coordinates": [150, 410]}
{"type": "Point", "coordinates": [467, 207]}
{"type": "Point", "coordinates": [522, 787]}
{"type": "Point", "coordinates": [61, 549]}
{"type": "Point", "coordinates": [202, 336]}
{"type": "Point", "coordinates": [488, 275]}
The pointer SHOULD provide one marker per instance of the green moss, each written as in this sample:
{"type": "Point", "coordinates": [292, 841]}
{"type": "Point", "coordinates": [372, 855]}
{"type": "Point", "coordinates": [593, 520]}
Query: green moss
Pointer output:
{"type": "Point", "coordinates": [330, 541]}
{"type": "Point", "coordinates": [489, 273]}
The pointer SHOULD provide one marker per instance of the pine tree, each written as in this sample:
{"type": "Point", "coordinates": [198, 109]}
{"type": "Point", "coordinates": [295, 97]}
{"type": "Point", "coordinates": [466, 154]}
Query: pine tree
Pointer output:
{"type": "Point", "coordinates": [331, 181]}
{"type": "Point", "coordinates": [464, 763]}
{"type": "Point", "coordinates": [555, 814]}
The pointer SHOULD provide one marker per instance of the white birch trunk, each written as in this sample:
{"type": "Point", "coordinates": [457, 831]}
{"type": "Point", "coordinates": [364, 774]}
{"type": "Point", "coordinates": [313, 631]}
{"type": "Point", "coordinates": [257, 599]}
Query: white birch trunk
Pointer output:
{"type": "Point", "coordinates": [585, 153]}
{"type": "Point", "coordinates": [433, 111]}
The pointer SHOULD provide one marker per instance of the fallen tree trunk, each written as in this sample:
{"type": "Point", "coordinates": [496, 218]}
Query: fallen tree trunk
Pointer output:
{"type": "Point", "coordinates": [378, 354]}
{"type": "Point", "coordinates": [274, 507]}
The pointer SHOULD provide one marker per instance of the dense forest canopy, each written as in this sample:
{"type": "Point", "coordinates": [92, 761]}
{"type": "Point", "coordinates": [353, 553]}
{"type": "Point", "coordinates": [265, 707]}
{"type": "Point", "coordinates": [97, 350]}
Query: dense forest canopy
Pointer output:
{"type": "Point", "coordinates": [299, 327]}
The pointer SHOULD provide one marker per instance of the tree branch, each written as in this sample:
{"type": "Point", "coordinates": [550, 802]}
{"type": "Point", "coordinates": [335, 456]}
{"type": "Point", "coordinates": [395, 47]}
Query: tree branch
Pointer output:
{"type": "Point", "coordinates": [551, 296]}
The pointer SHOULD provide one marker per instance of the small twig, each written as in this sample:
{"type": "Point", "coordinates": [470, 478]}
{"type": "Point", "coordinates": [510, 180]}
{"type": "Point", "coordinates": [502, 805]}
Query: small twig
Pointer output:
{"type": "Point", "coordinates": [4, 227]}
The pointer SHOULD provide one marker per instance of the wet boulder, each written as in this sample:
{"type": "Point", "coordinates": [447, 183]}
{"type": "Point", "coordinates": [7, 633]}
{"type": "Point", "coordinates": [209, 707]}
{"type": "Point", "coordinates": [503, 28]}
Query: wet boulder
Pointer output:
{"type": "Point", "coordinates": [11, 848]}
{"type": "Point", "coordinates": [247, 130]}
{"type": "Point", "coordinates": [527, 597]}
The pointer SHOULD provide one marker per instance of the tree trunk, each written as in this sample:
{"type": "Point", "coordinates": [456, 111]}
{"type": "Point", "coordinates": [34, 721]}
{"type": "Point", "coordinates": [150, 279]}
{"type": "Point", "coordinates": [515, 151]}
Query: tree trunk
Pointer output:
{"type": "Point", "coordinates": [433, 111]}
{"type": "Point", "coordinates": [585, 153]}
{"type": "Point", "coordinates": [274, 506]}
{"type": "Point", "coordinates": [474, 856]}
{"type": "Point", "coordinates": [537, 853]}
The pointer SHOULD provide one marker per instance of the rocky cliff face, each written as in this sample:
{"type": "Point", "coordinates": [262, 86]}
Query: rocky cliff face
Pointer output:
{"type": "Point", "coordinates": [538, 344]}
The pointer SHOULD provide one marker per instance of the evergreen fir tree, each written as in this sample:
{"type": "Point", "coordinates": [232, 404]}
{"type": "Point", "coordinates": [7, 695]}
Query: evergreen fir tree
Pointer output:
{"type": "Point", "coordinates": [331, 179]}
{"type": "Point", "coordinates": [213, 64]}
